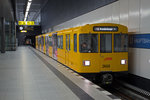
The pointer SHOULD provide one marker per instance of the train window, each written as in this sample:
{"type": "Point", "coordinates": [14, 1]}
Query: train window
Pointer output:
{"type": "Point", "coordinates": [39, 40]}
{"type": "Point", "coordinates": [61, 41]}
{"type": "Point", "coordinates": [50, 41]}
{"type": "Point", "coordinates": [68, 42]}
{"type": "Point", "coordinates": [106, 43]}
{"type": "Point", "coordinates": [75, 42]}
{"type": "Point", "coordinates": [88, 43]}
{"type": "Point", "coordinates": [47, 41]}
{"type": "Point", "coordinates": [58, 41]}
{"type": "Point", "coordinates": [42, 41]}
{"type": "Point", "coordinates": [120, 43]}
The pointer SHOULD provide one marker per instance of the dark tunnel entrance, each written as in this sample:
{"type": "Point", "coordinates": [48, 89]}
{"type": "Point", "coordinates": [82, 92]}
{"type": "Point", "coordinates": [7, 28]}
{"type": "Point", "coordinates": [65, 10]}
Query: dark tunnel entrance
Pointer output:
{"type": "Point", "coordinates": [27, 37]}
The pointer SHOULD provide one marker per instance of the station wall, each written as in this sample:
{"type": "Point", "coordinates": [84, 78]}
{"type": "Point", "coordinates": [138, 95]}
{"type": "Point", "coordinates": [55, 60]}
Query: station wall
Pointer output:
{"type": "Point", "coordinates": [133, 13]}
{"type": "Point", "coordinates": [55, 12]}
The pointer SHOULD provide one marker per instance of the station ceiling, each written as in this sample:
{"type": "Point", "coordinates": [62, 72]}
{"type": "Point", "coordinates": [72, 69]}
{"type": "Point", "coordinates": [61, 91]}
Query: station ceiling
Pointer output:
{"type": "Point", "coordinates": [66, 9]}
{"type": "Point", "coordinates": [33, 12]}
{"type": "Point", "coordinates": [15, 9]}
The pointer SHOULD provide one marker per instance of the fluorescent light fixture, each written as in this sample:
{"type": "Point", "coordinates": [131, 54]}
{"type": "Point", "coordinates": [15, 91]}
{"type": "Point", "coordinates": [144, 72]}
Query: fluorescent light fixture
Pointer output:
{"type": "Point", "coordinates": [21, 28]}
{"type": "Point", "coordinates": [28, 6]}
{"type": "Point", "coordinates": [27, 9]}
{"type": "Point", "coordinates": [23, 31]}
{"type": "Point", "coordinates": [25, 18]}
{"type": "Point", "coordinates": [26, 14]}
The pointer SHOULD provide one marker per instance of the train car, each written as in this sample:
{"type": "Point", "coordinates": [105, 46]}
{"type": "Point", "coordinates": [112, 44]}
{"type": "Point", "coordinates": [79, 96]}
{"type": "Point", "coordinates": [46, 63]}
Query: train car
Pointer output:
{"type": "Point", "coordinates": [96, 51]}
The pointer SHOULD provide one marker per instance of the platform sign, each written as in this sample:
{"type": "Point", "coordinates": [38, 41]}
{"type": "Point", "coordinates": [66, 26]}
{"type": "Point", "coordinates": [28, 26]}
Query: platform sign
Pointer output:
{"type": "Point", "coordinates": [30, 22]}
{"type": "Point", "coordinates": [21, 23]}
{"type": "Point", "coordinates": [23, 31]}
{"type": "Point", "coordinates": [139, 41]}
{"type": "Point", "coordinates": [25, 22]}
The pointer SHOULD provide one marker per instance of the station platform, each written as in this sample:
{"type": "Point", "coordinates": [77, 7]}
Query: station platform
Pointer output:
{"type": "Point", "coordinates": [27, 74]}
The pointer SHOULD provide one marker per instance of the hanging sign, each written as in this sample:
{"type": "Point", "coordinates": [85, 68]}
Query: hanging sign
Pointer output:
{"type": "Point", "coordinates": [25, 22]}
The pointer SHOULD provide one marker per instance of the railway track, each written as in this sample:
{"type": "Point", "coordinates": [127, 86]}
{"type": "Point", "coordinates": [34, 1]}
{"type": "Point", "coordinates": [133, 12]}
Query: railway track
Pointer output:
{"type": "Point", "coordinates": [126, 91]}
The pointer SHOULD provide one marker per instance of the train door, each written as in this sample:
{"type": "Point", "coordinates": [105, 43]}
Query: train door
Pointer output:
{"type": "Point", "coordinates": [39, 43]}
{"type": "Point", "coordinates": [42, 44]}
{"type": "Point", "coordinates": [47, 44]}
{"type": "Point", "coordinates": [67, 49]}
{"type": "Point", "coordinates": [105, 52]}
{"type": "Point", "coordinates": [54, 42]}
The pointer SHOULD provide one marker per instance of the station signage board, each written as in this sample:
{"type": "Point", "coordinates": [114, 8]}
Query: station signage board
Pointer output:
{"type": "Point", "coordinates": [25, 22]}
{"type": "Point", "coordinates": [139, 41]}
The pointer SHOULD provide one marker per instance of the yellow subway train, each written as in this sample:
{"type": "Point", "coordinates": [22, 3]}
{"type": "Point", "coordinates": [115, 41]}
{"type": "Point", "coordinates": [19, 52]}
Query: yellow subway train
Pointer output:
{"type": "Point", "coordinates": [96, 51]}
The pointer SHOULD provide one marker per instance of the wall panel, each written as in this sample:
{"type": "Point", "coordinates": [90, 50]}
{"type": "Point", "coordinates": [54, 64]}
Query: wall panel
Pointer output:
{"type": "Point", "coordinates": [108, 13]}
{"type": "Point", "coordinates": [145, 16]}
{"type": "Point", "coordinates": [124, 12]}
{"type": "Point", "coordinates": [139, 62]}
{"type": "Point", "coordinates": [115, 13]}
{"type": "Point", "coordinates": [134, 15]}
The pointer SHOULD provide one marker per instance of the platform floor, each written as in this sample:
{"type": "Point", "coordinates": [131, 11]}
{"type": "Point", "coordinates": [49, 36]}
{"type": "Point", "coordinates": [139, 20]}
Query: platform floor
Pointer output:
{"type": "Point", "coordinates": [27, 74]}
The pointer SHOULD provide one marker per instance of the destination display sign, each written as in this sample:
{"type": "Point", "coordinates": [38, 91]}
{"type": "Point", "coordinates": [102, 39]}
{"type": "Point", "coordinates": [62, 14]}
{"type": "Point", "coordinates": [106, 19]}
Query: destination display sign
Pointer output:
{"type": "Point", "coordinates": [25, 22]}
{"type": "Point", "coordinates": [105, 28]}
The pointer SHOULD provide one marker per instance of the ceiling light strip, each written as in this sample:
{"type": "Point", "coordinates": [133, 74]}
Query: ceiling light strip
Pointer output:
{"type": "Point", "coordinates": [27, 9]}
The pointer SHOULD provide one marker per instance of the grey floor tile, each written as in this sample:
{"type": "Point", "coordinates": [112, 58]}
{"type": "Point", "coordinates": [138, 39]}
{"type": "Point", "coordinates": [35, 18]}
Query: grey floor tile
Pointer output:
{"type": "Point", "coordinates": [2, 95]}
{"type": "Point", "coordinates": [32, 96]}
{"type": "Point", "coordinates": [14, 96]}
{"type": "Point", "coordinates": [26, 77]}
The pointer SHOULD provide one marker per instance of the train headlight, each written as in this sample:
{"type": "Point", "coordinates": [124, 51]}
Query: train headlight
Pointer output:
{"type": "Point", "coordinates": [123, 61]}
{"type": "Point", "coordinates": [86, 63]}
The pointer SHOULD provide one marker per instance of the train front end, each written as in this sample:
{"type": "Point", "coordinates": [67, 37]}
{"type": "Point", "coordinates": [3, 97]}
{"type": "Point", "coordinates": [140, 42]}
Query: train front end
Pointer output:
{"type": "Point", "coordinates": [103, 51]}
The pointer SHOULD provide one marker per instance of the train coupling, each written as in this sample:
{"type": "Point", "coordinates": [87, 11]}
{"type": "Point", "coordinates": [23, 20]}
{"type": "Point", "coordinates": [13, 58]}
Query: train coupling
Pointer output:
{"type": "Point", "coordinates": [106, 79]}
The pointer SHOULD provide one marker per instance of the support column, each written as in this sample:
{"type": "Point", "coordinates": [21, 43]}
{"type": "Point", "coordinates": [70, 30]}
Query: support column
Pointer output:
{"type": "Point", "coordinates": [11, 36]}
{"type": "Point", "coordinates": [3, 35]}
{"type": "Point", "coordinates": [15, 38]}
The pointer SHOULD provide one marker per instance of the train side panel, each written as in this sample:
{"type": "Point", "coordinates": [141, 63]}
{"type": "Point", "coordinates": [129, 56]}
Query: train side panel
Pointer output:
{"type": "Point", "coordinates": [36, 44]}
{"type": "Point", "coordinates": [99, 62]}
{"type": "Point", "coordinates": [61, 47]}
{"type": "Point", "coordinates": [75, 54]}
{"type": "Point", "coordinates": [50, 44]}
{"type": "Point", "coordinates": [44, 46]}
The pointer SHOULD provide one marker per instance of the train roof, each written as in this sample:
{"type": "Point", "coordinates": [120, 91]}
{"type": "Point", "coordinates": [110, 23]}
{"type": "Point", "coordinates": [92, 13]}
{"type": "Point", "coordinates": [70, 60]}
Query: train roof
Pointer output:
{"type": "Point", "coordinates": [95, 24]}
{"type": "Point", "coordinates": [84, 26]}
